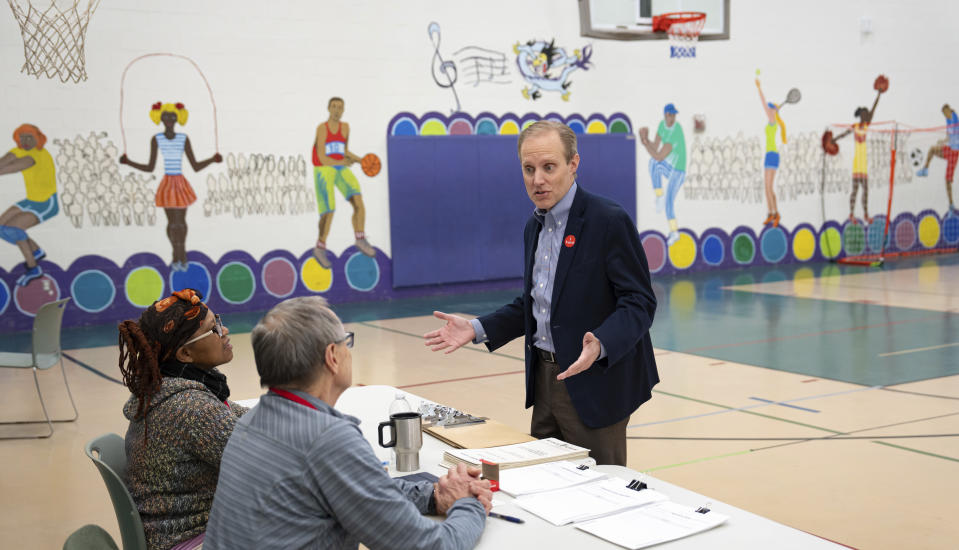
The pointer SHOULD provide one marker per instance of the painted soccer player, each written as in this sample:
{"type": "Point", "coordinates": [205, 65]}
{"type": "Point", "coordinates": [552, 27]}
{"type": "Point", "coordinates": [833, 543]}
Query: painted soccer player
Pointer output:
{"type": "Point", "coordinates": [947, 149]}
{"type": "Point", "coordinates": [174, 194]}
{"type": "Point", "coordinates": [771, 162]}
{"type": "Point", "coordinates": [668, 160]}
{"type": "Point", "coordinates": [35, 163]}
{"type": "Point", "coordinates": [331, 168]}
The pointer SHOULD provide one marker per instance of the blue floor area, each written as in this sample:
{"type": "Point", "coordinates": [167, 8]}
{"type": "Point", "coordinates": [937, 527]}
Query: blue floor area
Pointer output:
{"type": "Point", "coordinates": [818, 338]}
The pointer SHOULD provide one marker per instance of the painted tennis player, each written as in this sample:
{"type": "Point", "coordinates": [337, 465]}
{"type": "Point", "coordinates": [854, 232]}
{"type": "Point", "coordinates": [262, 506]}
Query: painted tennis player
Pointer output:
{"type": "Point", "coordinates": [39, 176]}
{"type": "Point", "coordinates": [174, 194]}
{"type": "Point", "coordinates": [771, 162]}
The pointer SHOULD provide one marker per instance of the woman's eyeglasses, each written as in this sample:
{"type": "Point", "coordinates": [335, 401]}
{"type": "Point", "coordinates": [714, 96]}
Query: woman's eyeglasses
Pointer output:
{"type": "Point", "coordinates": [348, 339]}
{"type": "Point", "coordinates": [217, 329]}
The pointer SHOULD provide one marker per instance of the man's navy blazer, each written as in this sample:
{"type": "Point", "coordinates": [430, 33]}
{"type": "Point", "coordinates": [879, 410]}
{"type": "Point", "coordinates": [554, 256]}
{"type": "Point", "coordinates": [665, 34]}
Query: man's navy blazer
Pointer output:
{"type": "Point", "coordinates": [601, 285]}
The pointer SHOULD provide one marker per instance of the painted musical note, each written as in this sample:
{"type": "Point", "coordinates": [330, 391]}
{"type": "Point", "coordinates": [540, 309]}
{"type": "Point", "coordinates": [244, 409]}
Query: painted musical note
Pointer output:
{"type": "Point", "coordinates": [482, 65]}
{"type": "Point", "coordinates": [444, 72]}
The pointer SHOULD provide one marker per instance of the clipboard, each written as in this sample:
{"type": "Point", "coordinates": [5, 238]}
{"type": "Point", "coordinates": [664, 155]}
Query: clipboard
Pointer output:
{"type": "Point", "coordinates": [477, 436]}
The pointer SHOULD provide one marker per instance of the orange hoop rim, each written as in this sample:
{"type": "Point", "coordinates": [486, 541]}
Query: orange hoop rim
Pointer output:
{"type": "Point", "coordinates": [663, 22]}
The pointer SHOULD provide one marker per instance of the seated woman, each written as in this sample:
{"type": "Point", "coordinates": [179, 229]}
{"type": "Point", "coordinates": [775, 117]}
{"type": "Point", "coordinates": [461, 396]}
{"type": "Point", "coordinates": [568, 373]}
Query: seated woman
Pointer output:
{"type": "Point", "coordinates": [180, 417]}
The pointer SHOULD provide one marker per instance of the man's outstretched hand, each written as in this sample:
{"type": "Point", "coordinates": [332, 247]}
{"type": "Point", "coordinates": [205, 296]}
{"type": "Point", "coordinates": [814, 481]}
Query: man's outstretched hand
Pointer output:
{"type": "Point", "coordinates": [456, 333]}
{"type": "Point", "coordinates": [591, 351]}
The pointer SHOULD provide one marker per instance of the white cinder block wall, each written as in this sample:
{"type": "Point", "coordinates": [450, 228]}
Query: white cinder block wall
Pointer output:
{"type": "Point", "coordinates": [273, 65]}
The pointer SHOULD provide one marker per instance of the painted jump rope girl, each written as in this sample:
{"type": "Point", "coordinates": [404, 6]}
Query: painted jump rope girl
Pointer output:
{"type": "Point", "coordinates": [39, 176]}
{"type": "Point", "coordinates": [771, 162]}
{"type": "Point", "coordinates": [174, 194]}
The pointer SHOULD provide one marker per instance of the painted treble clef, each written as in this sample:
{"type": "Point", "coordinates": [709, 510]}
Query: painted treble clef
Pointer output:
{"type": "Point", "coordinates": [444, 72]}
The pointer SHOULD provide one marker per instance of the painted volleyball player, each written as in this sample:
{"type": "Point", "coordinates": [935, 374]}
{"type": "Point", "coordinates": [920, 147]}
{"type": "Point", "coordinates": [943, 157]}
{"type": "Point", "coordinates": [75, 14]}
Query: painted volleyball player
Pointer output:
{"type": "Point", "coordinates": [174, 194]}
{"type": "Point", "coordinates": [331, 168]}
{"type": "Point", "coordinates": [860, 163]}
{"type": "Point", "coordinates": [39, 176]}
{"type": "Point", "coordinates": [947, 149]}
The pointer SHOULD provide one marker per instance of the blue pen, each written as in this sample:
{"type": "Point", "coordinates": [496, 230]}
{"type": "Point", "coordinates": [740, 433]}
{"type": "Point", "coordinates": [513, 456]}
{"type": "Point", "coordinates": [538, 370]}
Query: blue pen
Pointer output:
{"type": "Point", "coordinates": [507, 518]}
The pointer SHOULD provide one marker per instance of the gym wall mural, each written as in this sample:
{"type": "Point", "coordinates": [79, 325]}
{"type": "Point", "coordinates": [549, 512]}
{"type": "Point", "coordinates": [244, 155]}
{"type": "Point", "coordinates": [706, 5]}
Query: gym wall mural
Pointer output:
{"type": "Point", "coordinates": [547, 67]}
{"type": "Point", "coordinates": [85, 180]}
{"type": "Point", "coordinates": [470, 65]}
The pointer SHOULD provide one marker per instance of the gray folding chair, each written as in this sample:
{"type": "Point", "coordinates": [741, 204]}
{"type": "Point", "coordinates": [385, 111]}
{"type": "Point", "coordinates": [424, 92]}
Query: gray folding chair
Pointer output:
{"type": "Point", "coordinates": [90, 537]}
{"type": "Point", "coordinates": [45, 354]}
{"type": "Point", "coordinates": [111, 461]}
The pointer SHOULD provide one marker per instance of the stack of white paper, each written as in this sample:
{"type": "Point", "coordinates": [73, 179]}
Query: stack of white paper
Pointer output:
{"type": "Point", "coordinates": [584, 502]}
{"type": "Point", "coordinates": [545, 477]}
{"type": "Point", "coordinates": [653, 524]}
{"type": "Point", "coordinates": [518, 455]}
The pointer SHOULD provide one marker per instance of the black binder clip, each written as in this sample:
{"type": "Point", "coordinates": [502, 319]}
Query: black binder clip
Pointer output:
{"type": "Point", "coordinates": [637, 485]}
{"type": "Point", "coordinates": [704, 509]}
{"type": "Point", "coordinates": [582, 467]}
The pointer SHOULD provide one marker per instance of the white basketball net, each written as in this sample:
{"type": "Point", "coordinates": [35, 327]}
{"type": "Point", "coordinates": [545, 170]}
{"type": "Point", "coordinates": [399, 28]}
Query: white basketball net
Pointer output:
{"type": "Point", "coordinates": [683, 37]}
{"type": "Point", "coordinates": [53, 38]}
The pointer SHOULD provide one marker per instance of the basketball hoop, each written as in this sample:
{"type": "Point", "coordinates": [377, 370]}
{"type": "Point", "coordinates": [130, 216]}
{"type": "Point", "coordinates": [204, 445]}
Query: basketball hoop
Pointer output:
{"type": "Point", "coordinates": [683, 28]}
{"type": "Point", "coordinates": [53, 38]}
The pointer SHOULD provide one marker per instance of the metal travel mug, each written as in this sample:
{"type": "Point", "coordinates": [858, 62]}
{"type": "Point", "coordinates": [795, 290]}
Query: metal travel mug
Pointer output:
{"type": "Point", "coordinates": [406, 439]}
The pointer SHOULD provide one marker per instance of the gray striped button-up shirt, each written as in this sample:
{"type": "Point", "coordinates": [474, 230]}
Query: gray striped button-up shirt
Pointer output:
{"type": "Point", "coordinates": [295, 477]}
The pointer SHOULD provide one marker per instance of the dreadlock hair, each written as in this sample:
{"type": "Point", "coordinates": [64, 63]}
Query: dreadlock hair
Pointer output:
{"type": "Point", "coordinates": [154, 339]}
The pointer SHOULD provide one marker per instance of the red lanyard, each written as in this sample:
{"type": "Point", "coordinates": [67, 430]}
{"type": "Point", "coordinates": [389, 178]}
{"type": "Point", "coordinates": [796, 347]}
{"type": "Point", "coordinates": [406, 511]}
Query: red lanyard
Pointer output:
{"type": "Point", "coordinates": [292, 397]}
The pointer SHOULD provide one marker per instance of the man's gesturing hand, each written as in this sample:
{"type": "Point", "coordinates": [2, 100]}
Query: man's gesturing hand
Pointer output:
{"type": "Point", "coordinates": [591, 351]}
{"type": "Point", "coordinates": [455, 333]}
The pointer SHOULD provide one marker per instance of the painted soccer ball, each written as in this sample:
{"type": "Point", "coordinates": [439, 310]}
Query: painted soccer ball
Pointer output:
{"type": "Point", "coordinates": [915, 157]}
{"type": "Point", "coordinates": [370, 164]}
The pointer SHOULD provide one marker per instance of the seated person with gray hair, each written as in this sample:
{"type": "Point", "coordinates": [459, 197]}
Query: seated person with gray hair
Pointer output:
{"type": "Point", "coordinates": [297, 473]}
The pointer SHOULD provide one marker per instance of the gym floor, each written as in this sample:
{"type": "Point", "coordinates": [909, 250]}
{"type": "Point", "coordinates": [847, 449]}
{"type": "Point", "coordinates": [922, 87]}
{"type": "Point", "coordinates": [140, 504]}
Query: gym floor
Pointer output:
{"type": "Point", "coordinates": [795, 392]}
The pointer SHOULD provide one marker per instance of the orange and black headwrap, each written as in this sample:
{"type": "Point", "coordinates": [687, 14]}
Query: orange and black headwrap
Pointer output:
{"type": "Point", "coordinates": [38, 136]}
{"type": "Point", "coordinates": [154, 339]}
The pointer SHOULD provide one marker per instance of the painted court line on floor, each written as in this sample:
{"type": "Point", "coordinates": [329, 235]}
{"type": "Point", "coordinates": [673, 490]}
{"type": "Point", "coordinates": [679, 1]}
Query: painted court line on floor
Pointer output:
{"type": "Point", "coordinates": [784, 404]}
{"type": "Point", "coordinates": [459, 379]}
{"type": "Point", "coordinates": [917, 350]}
{"type": "Point", "coordinates": [809, 334]}
{"type": "Point", "coordinates": [927, 453]}
{"type": "Point", "coordinates": [724, 407]}
{"type": "Point", "coordinates": [727, 409]}
{"type": "Point", "coordinates": [420, 337]}
{"type": "Point", "coordinates": [91, 369]}
{"type": "Point", "coordinates": [884, 288]}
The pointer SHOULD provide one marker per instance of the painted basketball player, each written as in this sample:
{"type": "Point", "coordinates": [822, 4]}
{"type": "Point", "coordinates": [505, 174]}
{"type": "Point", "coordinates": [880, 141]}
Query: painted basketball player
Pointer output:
{"type": "Point", "coordinates": [331, 168]}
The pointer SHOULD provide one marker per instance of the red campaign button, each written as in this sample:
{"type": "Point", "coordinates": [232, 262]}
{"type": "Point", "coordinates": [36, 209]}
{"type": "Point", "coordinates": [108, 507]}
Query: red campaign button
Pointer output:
{"type": "Point", "coordinates": [569, 241]}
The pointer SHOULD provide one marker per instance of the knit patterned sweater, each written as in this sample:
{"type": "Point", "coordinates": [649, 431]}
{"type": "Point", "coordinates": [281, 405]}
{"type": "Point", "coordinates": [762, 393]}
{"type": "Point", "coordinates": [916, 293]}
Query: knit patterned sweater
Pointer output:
{"type": "Point", "coordinates": [172, 476]}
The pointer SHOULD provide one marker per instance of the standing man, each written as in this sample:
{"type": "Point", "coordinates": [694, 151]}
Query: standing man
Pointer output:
{"type": "Point", "coordinates": [947, 149]}
{"type": "Point", "coordinates": [331, 167]}
{"type": "Point", "coordinates": [586, 308]}
{"type": "Point", "coordinates": [668, 160]}
{"type": "Point", "coordinates": [39, 176]}
{"type": "Point", "coordinates": [297, 473]}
